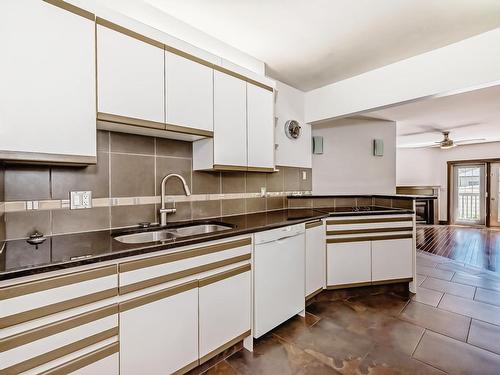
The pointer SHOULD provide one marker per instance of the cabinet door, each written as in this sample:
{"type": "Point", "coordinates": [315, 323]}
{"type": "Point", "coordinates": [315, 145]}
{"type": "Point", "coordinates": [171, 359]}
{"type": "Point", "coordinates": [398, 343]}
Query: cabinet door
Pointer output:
{"type": "Point", "coordinates": [130, 76]}
{"type": "Point", "coordinates": [230, 123]}
{"type": "Point", "coordinates": [260, 127]}
{"type": "Point", "coordinates": [106, 366]}
{"type": "Point", "coordinates": [392, 259]}
{"type": "Point", "coordinates": [224, 309]}
{"type": "Point", "coordinates": [47, 90]}
{"type": "Point", "coordinates": [189, 93]}
{"type": "Point", "coordinates": [315, 257]}
{"type": "Point", "coordinates": [348, 263]}
{"type": "Point", "coordinates": [159, 331]}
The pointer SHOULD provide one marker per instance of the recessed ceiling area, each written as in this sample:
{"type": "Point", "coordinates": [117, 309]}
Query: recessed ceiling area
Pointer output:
{"type": "Point", "coordinates": [309, 44]}
{"type": "Point", "coordinates": [472, 117]}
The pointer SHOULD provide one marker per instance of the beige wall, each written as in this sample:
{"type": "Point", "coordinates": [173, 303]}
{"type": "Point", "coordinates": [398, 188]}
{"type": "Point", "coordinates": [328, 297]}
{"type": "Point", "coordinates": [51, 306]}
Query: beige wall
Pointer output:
{"type": "Point", "coordinates": [347, 165]}
{"type": "Point", "coordinates": [125, 185]}
{"type": "Point", "coordinates": [428, 166]}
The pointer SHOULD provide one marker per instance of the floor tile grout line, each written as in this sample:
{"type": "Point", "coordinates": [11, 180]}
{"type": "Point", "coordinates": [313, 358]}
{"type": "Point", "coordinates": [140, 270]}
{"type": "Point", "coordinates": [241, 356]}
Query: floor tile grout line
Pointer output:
{"type": "Point", "coordinates": [418, 342]}
{"type": "Point", "coordinates": [468, 331]}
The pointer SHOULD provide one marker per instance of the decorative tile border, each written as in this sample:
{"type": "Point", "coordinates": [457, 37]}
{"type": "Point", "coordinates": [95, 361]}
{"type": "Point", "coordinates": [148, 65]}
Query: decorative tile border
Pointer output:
{"type": "Point", "coordinates": [58, 204]}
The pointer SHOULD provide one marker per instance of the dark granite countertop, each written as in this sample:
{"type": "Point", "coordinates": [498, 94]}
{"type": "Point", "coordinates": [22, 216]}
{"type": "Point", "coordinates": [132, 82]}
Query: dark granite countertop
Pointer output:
{"type": "Point", "coordinates": [388, 196]}
{"type": "Point", "coordinates": [364, 210]}
{"type": "Point", "coordinates": [18, 258]}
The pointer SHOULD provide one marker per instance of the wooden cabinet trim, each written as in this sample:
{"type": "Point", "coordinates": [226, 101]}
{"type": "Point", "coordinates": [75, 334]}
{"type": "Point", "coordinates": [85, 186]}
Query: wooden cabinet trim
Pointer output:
{"type": "Point", "coordinates": [38, 333]}
{"type": "Point", "coordinates": [190, 131]}
{"type": "Point", "coordinates": [125, 120]}
{"type": "Point", "coordinates": [314, 224]}
{"type": "Point", "coordinates": [72, 8]}
{"type": "Point", "coordinates": [392, 281]}
{"type": "Point", "coordinates": [84, 360]}
{"type": "Point", "coordinates": [368, 230]}
{"type": "Point", "coordinates": [60, 352]}
{"type": "Point", "coordinates": [187, 368]}
{"type": "Point", "coordinates": [368, 238]}
{"type": "Point", "coordinates": [47, 158]}
{"type": "Point", "coordinates": [351, 285]}
{"type": "Point", "coordinates": [181, 274]}
{"type": "Point", "coordinates": [155, 296]}
{"type": "Point", "coordinates": [224, 275]}
{"type": "Point", "coordinates": [29, 287]}
{"type": "Point", "coordinates": [221, 348]}
{"type": "Point", "coordinates": [261, 169]}
{"type": "Point", "coordinates": [54, 308]}
{"type": "Point", "coordinates": [128, 32]}
{"type": "Point", "coordinates": [222, 167]}
{"type": "Point", "coordinates": [371, 220]}
{"type": "Point", "coordinates": [314, 294]}
{"type": "Point", "coordinates": [185, 254]}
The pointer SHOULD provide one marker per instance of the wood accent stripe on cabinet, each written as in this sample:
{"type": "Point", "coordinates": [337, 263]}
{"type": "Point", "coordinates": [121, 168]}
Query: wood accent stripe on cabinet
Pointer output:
{"type": "Point", "coordinates": [314, 294]}
{"type": "Point", "coordinates": [59, 352]}
{"type": "Point", "coordinates": [190, 131]}
{"type": "Point", "coordinates": [117, 119]}
{"type": "Point", "coordinates": [128, 32]}
{"type": "Point", "coordinates": [223, 167]}
{"type": "Point", "coordinates": [181, 274]}
{"type": "Point", "coordinates": [155, 296]}
{"type": "Point", "coordinates": [260, 169]}
{"type": "Point", "coordinates": [372, 220]}
{"type": "Point", "coordinates": [221, 348]}
{"type": "Point", "coordinates": [242, 77]}
{"type": "Point", "coordinates": [167, 258]}
{"type": "Point", "coordinates": [72, 8]}
{"type": "Point", "coordinates": [54, 308]}
{"type": "Point", "coordinates": [187, 368]}
{"type": "Point", "coordinates": [393, 281]}
{"type": "Point", "coordinates": [314, 224]}
{"type": "Point", "coordinates": [84, 360]}
{"type": "Point", "coordinates": [368, 238]}
{"type": "Point", "coordinates": [38, 333]}
{"type": "Point", "coordinates": [46, 158]}
{"type": "Point", "coordinates": [368, 230]}
{"type": "Point", "coordinates": [224, 275]}
{"type": "Point", "coordinates": [351, 285]}
{"type": "Point", "coordinates": [29, 287]}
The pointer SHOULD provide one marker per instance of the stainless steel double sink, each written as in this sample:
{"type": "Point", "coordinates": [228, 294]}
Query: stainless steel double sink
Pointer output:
{"type": "Point", "coordinates": [168, 234]}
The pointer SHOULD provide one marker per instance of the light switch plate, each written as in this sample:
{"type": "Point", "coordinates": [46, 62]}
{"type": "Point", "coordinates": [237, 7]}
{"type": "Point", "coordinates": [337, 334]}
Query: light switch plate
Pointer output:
{"type": "Point", "coordinates": [80, 199]}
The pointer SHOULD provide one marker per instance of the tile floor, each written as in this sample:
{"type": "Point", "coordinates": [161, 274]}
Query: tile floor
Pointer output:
{"type": "Point", "coordinates": [452, 325]}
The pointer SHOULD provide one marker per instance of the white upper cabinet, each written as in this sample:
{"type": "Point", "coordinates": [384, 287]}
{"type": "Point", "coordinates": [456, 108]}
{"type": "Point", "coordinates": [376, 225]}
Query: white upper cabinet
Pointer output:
{"type": "Point", "coordinates": [260, 127]}
{"type": "Point", "coordinates": [230, 123]}
{"type": "Point", "coordinates": [189, 93]}
{"type": "Point", "coordinates": [130, 76]}
{"type": "Point", "coordinates": [47, 89]}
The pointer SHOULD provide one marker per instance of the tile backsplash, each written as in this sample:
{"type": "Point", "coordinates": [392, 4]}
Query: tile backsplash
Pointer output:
{"type": "Point", "coordinates": [125, 187]}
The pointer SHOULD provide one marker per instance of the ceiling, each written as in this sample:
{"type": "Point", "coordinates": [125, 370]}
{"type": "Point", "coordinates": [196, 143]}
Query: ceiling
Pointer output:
{"type": "Point", "coordinates": [471, 115]}
{"type": "Point", "coordinates": [309, 44]}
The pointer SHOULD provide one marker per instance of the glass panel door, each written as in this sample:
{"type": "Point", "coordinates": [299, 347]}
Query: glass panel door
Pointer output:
{"type": "Point", "coordinates": [495, 195]}
{"type": "Point", "coordinates": [469, 194]}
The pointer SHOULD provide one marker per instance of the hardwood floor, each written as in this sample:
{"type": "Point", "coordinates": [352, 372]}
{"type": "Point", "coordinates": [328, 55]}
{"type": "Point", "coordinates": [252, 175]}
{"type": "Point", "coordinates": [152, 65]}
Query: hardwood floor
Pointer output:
{"type": "Point", "coordinates": [479, 247]}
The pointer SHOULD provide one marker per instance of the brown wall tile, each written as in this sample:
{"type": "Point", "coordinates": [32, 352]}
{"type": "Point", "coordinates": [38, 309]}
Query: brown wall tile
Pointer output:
{"type": "Point", "coordinates": [382, 202]}
{"type": "Point", "coordinates": [93, 177]}
{"type": "Point", "coordinates": [2, 227]}
{"type": "Point", "coordinates": [124, 216]}
{"type": "Point", "coordinates": [233, 182]}
{"type": "Point", "coordinates": [22, 224]}
{"type": "Point", "coordinates": [345, 202]}
{"type": "Point", "coordinates": [172, 147]}
{"type": "Point", "coordinates": [67, 221]}
{"type": "Point", "coordinates": [182, 213]}
{"type": "Point", "coordinates": [27, 183]}
{"type": "Point", "coordinates": [206, 182]}
{"type": "Point", "coordinates": [300, 203]}
{"type": "Point", "coordinates": [166, 166]}
{"type": "Point", "coordinates": [362, 201]}
{"type": "Point", "coordinates": [24, 254]}
{"type": "Point", "coordinates": [131, 143]}
{"type": "Point", "coordinates": [132, 175]}
{"type": "Point", "coordinates": [206, 209]}
{"type": "Point", "coordinates": [305, 185]}
{"type": "Point", "coordinates": [291, 178]}
{"type": "Point", "coordinates": [2, 183]}
{"type": "Point", "coordinates": [256, 204]}
{"type": "Point", "coordinates": [275, 203]}
{"type": "Point", "coordinates": [233, 206]}
{"type": "Point", "coordinates": [403, 203]}
{"type": "Point", "coordinates": [275, 181]}
{"type": "Point", "coordinates": [255, 181]}
{"type": "Point", "coordinates": [103, 140]}
{"type": "Point", "coordinates": [323, 202]}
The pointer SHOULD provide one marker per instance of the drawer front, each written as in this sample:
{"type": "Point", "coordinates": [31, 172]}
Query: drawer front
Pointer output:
{"type": "Point", "coordinates": [33, 300]}
{"type": "Point", "coordinates": [41, 347]}
{"type": "Point", "coordinates": [149, 272]}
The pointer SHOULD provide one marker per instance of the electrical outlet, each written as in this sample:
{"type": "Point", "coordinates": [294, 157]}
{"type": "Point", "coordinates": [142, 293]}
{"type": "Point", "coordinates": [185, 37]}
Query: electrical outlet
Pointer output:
{"type": "Point", "coordinates": [80, 199]}
{"type": "Point", "coordinates": [304, 175]}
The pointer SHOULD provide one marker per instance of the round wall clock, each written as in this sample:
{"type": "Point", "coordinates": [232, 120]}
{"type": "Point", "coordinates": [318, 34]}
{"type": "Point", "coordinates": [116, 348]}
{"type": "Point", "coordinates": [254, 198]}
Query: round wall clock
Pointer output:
{"type": "Point", "coordinates": [292, 129]}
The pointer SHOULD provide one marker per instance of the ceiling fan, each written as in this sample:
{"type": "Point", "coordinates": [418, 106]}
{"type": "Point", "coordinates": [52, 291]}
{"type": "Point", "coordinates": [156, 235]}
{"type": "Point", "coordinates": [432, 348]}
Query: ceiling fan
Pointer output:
{"type": "Point", "coordinates": [448, 143]}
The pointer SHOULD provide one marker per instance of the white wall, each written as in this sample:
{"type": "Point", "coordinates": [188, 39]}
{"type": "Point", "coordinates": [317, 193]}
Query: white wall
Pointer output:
{"type": "Point", "coordinates": [347, 165]}
{"type": "Point", "coordinates": [290, 106]}
{"type": "Point", "coordinates": [428, 166]}
{"type": "Point", "coordinates": [463, 65]}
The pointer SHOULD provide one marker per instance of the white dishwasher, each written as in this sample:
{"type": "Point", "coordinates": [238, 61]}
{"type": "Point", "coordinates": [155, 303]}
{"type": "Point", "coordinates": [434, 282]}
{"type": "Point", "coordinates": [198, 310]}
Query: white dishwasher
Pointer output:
{"type": "Point", "coordinates": [279, 276]}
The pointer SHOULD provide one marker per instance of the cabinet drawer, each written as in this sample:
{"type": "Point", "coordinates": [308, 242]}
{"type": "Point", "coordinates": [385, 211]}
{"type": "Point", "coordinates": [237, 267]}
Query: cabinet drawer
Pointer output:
{"type": "Point", "coordinates": [348, 263]}
{"type": "Point", "coordinates": [33, 300]}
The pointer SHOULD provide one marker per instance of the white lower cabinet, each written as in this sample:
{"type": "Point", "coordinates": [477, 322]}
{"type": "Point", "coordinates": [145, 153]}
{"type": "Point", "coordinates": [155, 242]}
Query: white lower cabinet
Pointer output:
{"type": "Point", "coordinates": [159, 332]}
{"type": "Point", "coordinates": [392, 259]}
{"type": "Point", "coordinates": [224, 309]}
{"type": "Point", "coordinates": [348, 263]}
{"type": "Point", "coordinates": [108, 365]}
{"type": "Point", "coordinates": [315, 257]}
